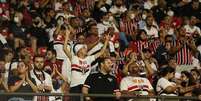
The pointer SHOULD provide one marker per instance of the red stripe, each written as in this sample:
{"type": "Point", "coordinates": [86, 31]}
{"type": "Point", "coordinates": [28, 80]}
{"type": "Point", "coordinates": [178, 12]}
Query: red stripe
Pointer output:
{"type": "Point", "coordinates": [77, 68]}
{"type": "Point", "coordinates": [178, 56]}
{"type": "Point", "coordinates": [132, 87]}
{"type": "Point", "coordinates": [75, 65]}
{"type": "Point", "coordinates": [185, 55]}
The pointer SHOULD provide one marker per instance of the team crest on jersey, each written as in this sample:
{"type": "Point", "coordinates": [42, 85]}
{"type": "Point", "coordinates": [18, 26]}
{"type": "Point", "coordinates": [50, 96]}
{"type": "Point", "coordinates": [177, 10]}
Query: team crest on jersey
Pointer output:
{"type": "Point", "coordinates": [110, 79]}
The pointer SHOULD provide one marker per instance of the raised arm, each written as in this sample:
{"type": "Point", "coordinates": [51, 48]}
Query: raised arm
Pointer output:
{"type": "Point", "coordinates": [66, 50]}
{"type": "Point", "coordinates": [148, 68]}
{"type": "Point", "coordinates": [104, 47]}
{"type": "Point", "coordinates": [57, 30]}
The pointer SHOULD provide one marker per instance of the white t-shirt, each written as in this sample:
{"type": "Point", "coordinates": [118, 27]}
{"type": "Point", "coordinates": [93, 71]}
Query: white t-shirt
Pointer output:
{"type": "Point", "coordinates": [162, 84]}
{"type": "Point", "coordinates": [152, 31]}
{"type": "Point", "coordinates": [115, 9]}
{"type": "Point", "coordinates": [130, 84]}
{"type": "Point", "coordinates": [191, 30]}
{"type": "Point", "coordinates": [81, 69]}
{"type": "Point", "coordinates": [104, 27]}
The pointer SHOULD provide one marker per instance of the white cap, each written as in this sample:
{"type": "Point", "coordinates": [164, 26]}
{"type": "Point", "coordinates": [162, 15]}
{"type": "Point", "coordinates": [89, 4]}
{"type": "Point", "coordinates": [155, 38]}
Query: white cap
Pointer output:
{"type": "Point", "coordinates": [78, 47]}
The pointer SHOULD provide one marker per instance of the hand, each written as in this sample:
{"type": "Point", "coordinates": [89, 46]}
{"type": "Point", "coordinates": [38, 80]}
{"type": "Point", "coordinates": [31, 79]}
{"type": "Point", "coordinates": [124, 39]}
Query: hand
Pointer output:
{"type": "Point", "coordinates": [107, 37]}
{"type": "Point", "coordinates": [88, 99]}
{"type": "Point", "coordinates": [57, 71]}
{"type": "Point", "coordinates": [53, 72]}
{"type": "Point", "coordinates": [118, 95]}
{"type": "Point", "coordinates": [41, 87]}
{"type": "Point", "coordinates": [133, 57]}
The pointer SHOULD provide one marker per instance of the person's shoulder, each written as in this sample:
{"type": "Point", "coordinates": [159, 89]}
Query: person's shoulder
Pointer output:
{"type": "Point", "coordinates": [59, 60]}
{"type": "Point", "coordinates": [124, 79]}
{"type": "Point", "coordinates": [95, 74]}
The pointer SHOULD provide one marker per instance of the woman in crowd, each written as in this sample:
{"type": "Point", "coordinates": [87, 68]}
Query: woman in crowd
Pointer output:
{"type": "Point", "coordinates": [21, 82]}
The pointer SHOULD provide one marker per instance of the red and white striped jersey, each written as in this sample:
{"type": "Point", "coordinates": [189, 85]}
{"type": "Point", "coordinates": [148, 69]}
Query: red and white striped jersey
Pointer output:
{"type": "Point", "coordinates": [129, 27]}
{"type": "Point", "coordinates": [154, 44]}
{"type": "Point", "coordinates": [184, 55]}
{"type": "Point", "coordinates": [138, 46]}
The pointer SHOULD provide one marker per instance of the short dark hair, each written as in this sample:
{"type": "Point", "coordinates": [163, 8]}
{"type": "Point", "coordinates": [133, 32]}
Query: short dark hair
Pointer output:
{"type": "Point", "coordinates": [53, 51]}
{"type": "Point", "coordinates": [101, 60]}
{"type": "Point", "coordinates": [37, 56]}
{"type": "Point", "coordinates": [196, 70]}
{"type": "Point", "coordinates": [164, 71]}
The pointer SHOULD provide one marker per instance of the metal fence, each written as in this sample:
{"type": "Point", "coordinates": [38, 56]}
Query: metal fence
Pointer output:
{"type": "Point", "coordinates": [81, 96]}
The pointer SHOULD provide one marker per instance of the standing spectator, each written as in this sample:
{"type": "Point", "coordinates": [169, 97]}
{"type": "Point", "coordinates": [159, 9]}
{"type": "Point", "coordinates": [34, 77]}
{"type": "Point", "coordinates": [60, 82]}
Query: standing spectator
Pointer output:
{"type": "Point", "coordinates": [184, 50]}
{"type": "Point", "coordinates": [18, 30]}
{"type": "Point", "coordinates": [81, 63]}
{"type": "Point", "coordinates": [22, 83]}
{"type": "Point", "coordinates": [101, 82]}
{"type": "Point", "coordinates": [43, 79]}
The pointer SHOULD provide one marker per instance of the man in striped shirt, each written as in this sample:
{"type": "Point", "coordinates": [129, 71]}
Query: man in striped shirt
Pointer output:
{"type": "Point", "coordinates": [128, 25]}
{"type": "Point", "coordinates": [184, 50]}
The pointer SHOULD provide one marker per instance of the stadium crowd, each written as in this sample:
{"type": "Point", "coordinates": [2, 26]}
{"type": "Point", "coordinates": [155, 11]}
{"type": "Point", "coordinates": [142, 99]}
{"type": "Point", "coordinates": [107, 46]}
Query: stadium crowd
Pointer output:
{"type": "Point", "coordinates": [133, 47]}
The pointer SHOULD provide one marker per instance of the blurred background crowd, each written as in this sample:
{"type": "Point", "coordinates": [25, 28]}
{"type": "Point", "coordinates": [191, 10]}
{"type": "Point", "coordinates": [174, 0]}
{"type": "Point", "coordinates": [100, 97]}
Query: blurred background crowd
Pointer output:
{"type": "Point", "coordinates": [139, 47]}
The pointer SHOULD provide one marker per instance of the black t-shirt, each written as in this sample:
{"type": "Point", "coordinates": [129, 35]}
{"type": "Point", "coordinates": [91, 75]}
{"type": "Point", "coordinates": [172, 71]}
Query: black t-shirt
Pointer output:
{"type": "Point", "coordinates": [99, 83]}
{"type": "Point", "coordinates": [24, 88]}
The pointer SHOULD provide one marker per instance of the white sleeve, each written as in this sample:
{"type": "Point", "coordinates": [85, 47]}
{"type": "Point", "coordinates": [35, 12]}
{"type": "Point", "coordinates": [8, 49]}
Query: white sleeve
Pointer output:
{"type": "Point", "coordinates": [198, 30]}
{"type": "Point", "coordinates": [164, 83]}
{"type": "Point", "coordinates": [123, 85]}
{"type": "Point", "coordinates": [91, 58]}
{"type": "Point", "coordinates": [111, 46]}
{"type": "Point", "coordinates": [113, 10]}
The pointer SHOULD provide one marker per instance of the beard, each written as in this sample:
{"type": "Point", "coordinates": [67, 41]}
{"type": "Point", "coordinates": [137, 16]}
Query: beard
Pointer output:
{"type": "Point", "coordinates": [38, 68]}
